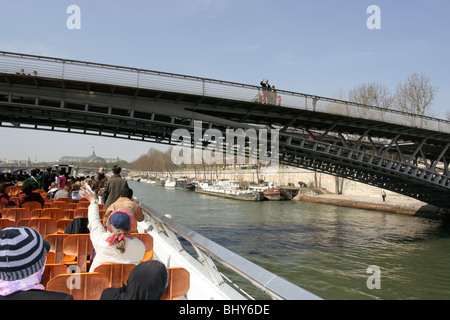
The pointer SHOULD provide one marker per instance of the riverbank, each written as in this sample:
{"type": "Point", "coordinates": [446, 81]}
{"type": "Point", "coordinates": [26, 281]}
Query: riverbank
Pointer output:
{"type": "Point", "coordinates": [354, 194]}
{"type": "Point", "coordinates": [393, 204]}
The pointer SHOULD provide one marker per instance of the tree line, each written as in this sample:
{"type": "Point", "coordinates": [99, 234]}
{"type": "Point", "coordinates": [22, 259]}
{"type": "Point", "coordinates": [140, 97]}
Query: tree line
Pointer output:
{"type": "Point", "coordinates": [414, 96]}
{"type": "Point", "coordinates": [155, 161]}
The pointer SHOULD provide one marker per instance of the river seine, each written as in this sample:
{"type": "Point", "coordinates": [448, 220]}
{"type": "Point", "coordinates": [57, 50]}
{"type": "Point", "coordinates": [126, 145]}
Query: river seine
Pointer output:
{"type": "Point", "coordinates": [334, 252]}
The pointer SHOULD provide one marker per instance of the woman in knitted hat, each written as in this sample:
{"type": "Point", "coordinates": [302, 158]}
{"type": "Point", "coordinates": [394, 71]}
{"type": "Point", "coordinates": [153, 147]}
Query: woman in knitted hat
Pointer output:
{"type": "Point", "coordinates": [114, 245]}
{"type": "Point", "coordinates": [23, 253]}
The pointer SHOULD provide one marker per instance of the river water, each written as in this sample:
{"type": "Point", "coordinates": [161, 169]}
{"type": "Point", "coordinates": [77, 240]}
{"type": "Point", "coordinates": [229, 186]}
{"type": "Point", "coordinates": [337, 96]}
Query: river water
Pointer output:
{"type": "Point", "coordinates": [324, 249]}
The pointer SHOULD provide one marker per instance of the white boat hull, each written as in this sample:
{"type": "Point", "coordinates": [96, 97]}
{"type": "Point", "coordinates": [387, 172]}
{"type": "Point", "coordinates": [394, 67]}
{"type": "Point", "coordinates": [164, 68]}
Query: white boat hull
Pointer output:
{"type": "Point", "coordinates": [201, 286]}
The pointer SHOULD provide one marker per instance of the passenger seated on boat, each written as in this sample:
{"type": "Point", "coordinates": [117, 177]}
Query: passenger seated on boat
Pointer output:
{"type": "Point", "coordinates": [29, 195]}
{"type": "Point", "coordinates": [75, 191]}
{"type": "Point", "coordinates": [148, 281]}
{"type": "Point", "coordinates": [65, 192]}
{"type": "Point", "coordinates": [4, 198]}
{"type": "Point", "coordinates": [23, 253]}
{"type": "Point", "coordinates": [125, 201]}
{"type": "Point", "coordinates": [114, 245]}
{"type": "Point", "coordinates": [53, 189]}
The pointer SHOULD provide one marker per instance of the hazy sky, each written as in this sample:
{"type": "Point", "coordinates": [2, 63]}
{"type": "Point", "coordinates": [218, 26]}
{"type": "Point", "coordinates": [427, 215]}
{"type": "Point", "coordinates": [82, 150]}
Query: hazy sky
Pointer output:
{"type": "Point", "coordinates": [316, 47]}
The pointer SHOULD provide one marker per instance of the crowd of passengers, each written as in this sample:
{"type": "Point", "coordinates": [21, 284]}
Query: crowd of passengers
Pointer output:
{"type": "Point", "coordinates": [112, 239]}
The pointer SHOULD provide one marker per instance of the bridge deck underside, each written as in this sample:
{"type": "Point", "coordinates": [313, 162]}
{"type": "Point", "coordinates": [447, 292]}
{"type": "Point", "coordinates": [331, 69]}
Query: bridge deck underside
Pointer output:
{"type": "Point", "coordinates": [400, 158]}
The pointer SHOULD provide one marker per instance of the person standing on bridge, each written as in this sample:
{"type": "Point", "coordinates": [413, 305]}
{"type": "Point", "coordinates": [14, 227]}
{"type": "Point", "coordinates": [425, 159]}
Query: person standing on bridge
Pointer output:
{"type": "Point", "coordinates": [314, 102]}
{"type": "Point", "coordinates": [265, 84]}
{"type": "Point", "coordinates": [273, 95]}
{"type": "Point", "coordinates": [265, 90]}
{"type": "Point", "coordinates": [383, 195]}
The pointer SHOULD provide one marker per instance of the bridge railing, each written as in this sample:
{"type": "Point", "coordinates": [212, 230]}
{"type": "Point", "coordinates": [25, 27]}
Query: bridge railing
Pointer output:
{"type": "Point", "coordinates": [162, 81]}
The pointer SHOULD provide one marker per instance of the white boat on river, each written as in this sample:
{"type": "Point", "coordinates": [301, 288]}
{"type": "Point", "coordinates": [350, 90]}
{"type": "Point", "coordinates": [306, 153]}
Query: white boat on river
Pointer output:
{"type": "Point", "coordinates": [170, 183]}
{"type": "Point", "coordinates": [229, 189]}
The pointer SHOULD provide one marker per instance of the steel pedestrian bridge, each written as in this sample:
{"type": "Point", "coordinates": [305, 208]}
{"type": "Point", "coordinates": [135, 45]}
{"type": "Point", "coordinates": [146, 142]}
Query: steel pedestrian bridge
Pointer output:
{"type": "Point", "coordinates": [397, 151]}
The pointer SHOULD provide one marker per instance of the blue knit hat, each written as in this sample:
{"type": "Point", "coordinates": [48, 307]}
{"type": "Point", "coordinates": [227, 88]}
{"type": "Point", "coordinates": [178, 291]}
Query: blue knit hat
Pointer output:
{"type": "Point", "coordinates": [121, 219]}
{"type": "Point", "coordinates": [23, 252]}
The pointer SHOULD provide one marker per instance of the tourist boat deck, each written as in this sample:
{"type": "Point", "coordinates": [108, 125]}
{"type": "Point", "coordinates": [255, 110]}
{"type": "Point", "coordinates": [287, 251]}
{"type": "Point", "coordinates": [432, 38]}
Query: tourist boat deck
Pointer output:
{"type": "Point", "coordinates": [193, 272]}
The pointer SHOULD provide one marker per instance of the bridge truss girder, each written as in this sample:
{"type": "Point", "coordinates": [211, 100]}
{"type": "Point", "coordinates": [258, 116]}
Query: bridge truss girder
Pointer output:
{"type": "Point", "coordinates": [399, 158]}
{"type": "Point", "coordinates": [379, 170]}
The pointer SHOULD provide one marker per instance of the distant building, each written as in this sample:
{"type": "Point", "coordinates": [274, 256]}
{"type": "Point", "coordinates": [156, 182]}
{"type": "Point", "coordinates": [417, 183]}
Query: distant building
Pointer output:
{"type": "Point", "coordinates": [93, 158]}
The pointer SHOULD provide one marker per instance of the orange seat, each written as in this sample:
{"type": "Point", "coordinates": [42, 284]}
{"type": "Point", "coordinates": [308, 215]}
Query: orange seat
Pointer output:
{"type": "Point", "coordinates": [56, 241]}
{"type": "Point", "coordinates": [81, 213]}
{"type": "Point", "coordinates": [62, 224]}
{"type": "Point", "coordinates": [65, 199]}
{"type": "Point", "coordinates": [36, 213]}
{"type": "Point", "coordinates": [4, 209]}
{"type": "Point", "coordinates": [83, 204]}
{"type": "Point", "coordinates": [78, 245]}
{"type": "Point", "coordinates": [69, 213]}
{"type": "Point", "coordinates": [83, 200]}
{"type": "Point", "coordinates": [117, 273]}
{"type": "Point", "coordinates": [16, 214]}
{"type": "Point", "coordinates": [53, 213]}
{"type": "Point", "coordinates": [82, 286]}
{"type": "Point", "coordinates": [59, 204]}
{"type": "Point", "coordinates": [6, 223]}
{"type": "Point", "coordinates": [147, 239]}
{"type": "Point", "coordinates": [13, 191]}
{"type": "Point", "coordinates": [179, 283]}
{"type": "Point", "coordinates": [50, 257]}
{"type": "Point", "coordinates": [31, 205]}
{"type": "Point", "coordinates": [72, 205]}
{"type": "Point", "coordinates": [44, 226]}
{"type": "Point", "coordinates": [23, 222]}
{"type": "Point", "coordinates": [52, 270]}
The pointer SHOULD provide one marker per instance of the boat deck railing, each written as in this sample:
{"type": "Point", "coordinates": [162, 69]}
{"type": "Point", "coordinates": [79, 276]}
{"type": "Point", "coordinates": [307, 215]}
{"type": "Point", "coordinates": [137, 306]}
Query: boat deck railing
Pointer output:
{"type": "Point", "coordinates": [208, 251]}
{"type": "Point", "coordinates": [74, 70]}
